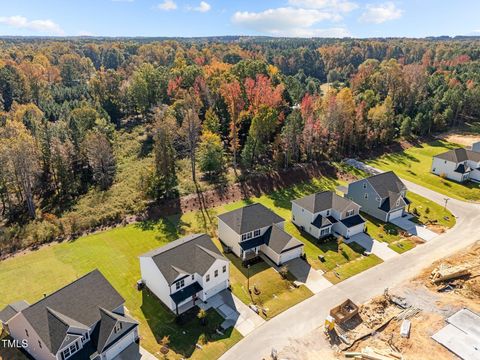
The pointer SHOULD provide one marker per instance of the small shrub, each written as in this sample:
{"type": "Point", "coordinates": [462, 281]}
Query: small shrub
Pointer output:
{"type": "Point", "coordinates": [427, 210]}
{"type": "Point", "coordinates": [202, 316]}
{"type": "Point", "coordinates": [283, 271]}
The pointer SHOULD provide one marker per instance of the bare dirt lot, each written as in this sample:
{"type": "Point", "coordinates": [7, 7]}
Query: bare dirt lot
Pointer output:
{"type": "Point", "coordinates": [464, 139]}
{"type": "Point", "coordinates": [428, 305]}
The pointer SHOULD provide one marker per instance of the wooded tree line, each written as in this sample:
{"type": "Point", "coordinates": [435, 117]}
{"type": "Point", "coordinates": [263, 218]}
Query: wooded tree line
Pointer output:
{"type": "Point", "coordinates": [250, 104]}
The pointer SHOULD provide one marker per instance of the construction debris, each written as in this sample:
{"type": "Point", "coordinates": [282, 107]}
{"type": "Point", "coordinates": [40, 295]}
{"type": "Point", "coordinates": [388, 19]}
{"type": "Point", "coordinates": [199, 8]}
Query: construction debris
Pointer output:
{"type": "Point", "coordinates": [445, 272]}
{"type": "Point", "coordinates": [344, 312]}
{"type": "Point", "coordinates": [405, 328]}
{"type": "Point", "coordinates": [375, 354]}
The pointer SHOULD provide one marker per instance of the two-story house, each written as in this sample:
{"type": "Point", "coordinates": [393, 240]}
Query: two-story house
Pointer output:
{"type": "Point", "coordinates": [383, 196]}
{"type": "Point", "coordinates": [255, 229]}
{"type": "Point", "coordinates": [326, 213]}
{"type": "Point", "coordinates": [185, 271]}
{"type": "Point", "coordinates": [83, 320]}
{"type": "Point", "coordinates": [458, 164]}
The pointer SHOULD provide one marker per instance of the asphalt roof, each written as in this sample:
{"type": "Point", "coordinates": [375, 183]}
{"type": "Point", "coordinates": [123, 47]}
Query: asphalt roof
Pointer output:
{"type": "Point", "coordinates": [323, 201]}
{"type": "Point", "coordinates": [321, 221]}
{"type": "Point", "coordinates": [275, 238]}
{"type": "Point", "coordinates": [186, 292]}
{"type": "Point", "coordinates": [459, 155]}
{"type": "Point", "coordinates": [73, 305]}
{"type": "Point", "coordinates": [12, 309]}
{"type": "Point", "coordinates": [191, 254]}
{"type": "Point", "coordinates": [105, 333]}
{"type": "Point", "coordinates": [391, 202]}
{"type": "Point", "coordinates": [386, 183]}
{"type": "Point", "coordinates": [462, 169]}
{"type": "Point", "coordinates": [352, 221]}
{"type": "Point", "coordinates": [249, 218]}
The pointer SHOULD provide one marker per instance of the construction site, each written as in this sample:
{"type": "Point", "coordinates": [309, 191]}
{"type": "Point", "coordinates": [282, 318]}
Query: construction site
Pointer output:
{"type": "Point", "coordinates": [433, 316]}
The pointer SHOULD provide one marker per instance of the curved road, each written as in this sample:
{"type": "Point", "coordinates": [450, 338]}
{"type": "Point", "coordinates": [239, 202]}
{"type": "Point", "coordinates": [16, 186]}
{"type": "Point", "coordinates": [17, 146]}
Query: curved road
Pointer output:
{"type": "Point", "coordinates": [308, 315]}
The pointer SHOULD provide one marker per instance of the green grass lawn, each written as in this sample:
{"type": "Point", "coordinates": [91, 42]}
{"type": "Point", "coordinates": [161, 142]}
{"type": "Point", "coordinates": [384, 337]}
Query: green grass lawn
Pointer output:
{"type": "Point", "coordinates": [414, 164]}
{"type": "Point", "coordinates": [430, 212]}
{"type": "Point", "coordinates": [115, 254]}
{"type": "Point", "coordinates": [276, 294]}
{"type": "Point", "coordinates": [352, 268]}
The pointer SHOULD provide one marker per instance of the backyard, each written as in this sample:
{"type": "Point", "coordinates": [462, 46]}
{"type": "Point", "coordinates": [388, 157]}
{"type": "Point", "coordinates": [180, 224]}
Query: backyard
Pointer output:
{"type": "Point", "coordinates": [414, 164]}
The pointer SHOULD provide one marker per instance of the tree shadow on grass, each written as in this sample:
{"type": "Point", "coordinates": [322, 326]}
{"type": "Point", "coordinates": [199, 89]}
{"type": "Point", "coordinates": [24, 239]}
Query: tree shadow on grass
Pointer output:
{"type": "Point", "coordinates": [184, 331]}
{"type": "Point", "coordinates": [168, 228]}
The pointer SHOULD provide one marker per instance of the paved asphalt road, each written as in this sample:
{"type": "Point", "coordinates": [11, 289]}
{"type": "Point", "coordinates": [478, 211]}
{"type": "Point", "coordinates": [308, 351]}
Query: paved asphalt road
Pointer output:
{"type": "Point", "coordinates": [310, 314]}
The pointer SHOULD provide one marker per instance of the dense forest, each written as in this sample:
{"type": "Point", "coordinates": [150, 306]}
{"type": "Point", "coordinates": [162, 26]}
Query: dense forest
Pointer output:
{"type": "Point", "coordinates": [92, 130]}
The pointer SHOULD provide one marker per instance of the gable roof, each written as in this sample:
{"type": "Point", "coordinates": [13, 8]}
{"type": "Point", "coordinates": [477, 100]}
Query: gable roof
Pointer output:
{"type": "Point", "coordinates": [386, 183]}
{"type": "Point", "coordinates": [188, 255]}
{"type": "Point", "coordinates": [249, 218]}
{"type": "Point", "coordinates": [279, 240]}
{"type": "Point", "coordinates": [105, 329]}
{"type": "Point", "coordinates": [459, 155]}
{"type": "Point", "coordinates": [75, 305]}
{"type": "Point", "coordinates": [323, 201]}
{"type": "Point", "coordinates": [11, 310]}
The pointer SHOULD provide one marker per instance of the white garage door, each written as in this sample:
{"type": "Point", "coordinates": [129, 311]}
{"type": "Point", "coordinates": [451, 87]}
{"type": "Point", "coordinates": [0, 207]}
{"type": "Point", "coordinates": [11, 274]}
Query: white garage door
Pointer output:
{"type": "Point", "coordinates": [357, 229]}
{"type": "Point", "coordinates": [292, 254]}
{"type": "Point", "coordinates": [216, 289]}
{"type": "Point", "coordinates": [395, 214]}
{"type": "Point", "coordinates": [118, 347]}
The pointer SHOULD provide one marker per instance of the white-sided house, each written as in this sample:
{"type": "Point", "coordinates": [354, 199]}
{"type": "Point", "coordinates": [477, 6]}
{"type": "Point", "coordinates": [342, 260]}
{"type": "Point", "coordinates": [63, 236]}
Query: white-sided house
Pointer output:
{"type": "Point", "coordinates": [383, 196]}
{"type": "Point", "coordinates": [326, 213]}
{"type": "Point", "coordinates": [185, 271]}
{"type": "Point", "coordinates": [459, 165]}
{"type": "Point", "coordinates": [83, 320]}
{"type": "Point", "coordinates": [255, 229]}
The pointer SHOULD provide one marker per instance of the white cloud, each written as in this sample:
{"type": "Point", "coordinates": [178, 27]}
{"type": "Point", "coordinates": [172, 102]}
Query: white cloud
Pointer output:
{"type": "Point", "coordinates": [334, 5]}
{"type": "Point", "coordinates": [167, 5]}
{"type": "Point", "coordinates": [123, 0]}
{"type": "Point", "coordinates": [202, 7]}
{"type": "Point", "coordinates": [381, 13]}
{"type": "Point", "coordinates": [42, 26]}
{"type": "Point", "coordinates": [289, 21]}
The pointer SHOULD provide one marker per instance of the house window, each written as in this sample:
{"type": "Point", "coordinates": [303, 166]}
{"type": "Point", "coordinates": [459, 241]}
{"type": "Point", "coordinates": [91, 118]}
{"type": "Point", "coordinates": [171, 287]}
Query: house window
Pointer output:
{"type": "Point", "coordinates": [72, 349]}
{"type": "Point", "coordinates": [224, 269]}
{"type": "Point", "coordinates": [256, 233]}
{"type": "Point", "coordinates": [324, 232]}
{"type": "Point", "coordinates": [26, 332]}
{"type": "Point", "coordinates": [39, 344]}
{"type": "Point", "coordinates": [85, 337]}
{"type": "Point", "coordinates": [249, 235]}
{"type": "Point", "coordinates": [207, 278]}
{"type": "Point", "coordinates": [364, 185]}
{"type": "Point", "coordinates": [366, 196]}
{"type": "Point", "coordinates": [193, 277]}
{"type": "Point", "coordinates": [398, 202]}
{"type": "Point", "coordinates": [293, 217]}
{"type": "Point", "coordinates": [118, 327]}
{"type": "Point", "coordinates": [328, 212]}
{"type": "Point", "coordinates": [244, 237]}
{"type": "Point", "coordinates": [180, 284]}
{"type": "Point", "coordinates": [215, 273]}
{"type": "Point", "coordinates": [350, 212]}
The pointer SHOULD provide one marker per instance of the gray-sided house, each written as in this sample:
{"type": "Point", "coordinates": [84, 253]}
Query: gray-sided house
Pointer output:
{"type": "Point", "coordinates": [185, 271]}
{"type": "Point", "coordinates": [326, 213]}
{"type": "Point", "coordinates": [83, 320]}
{"type": "Point", "coordinates": [458, 164]}
{"type": "Point", "coordinates": [383, 196]}
{"type": "Point", "coordinates": [254, 229]}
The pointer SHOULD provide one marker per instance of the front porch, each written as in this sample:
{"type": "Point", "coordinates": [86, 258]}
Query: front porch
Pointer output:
{"type": "Point", "coordinates": [186, 297]}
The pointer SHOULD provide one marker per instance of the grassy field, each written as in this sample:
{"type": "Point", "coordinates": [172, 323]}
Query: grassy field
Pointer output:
{"type": "Point", "coordinates": [414, 164]}
{"type": "Point", "coordinates": [430, 212]}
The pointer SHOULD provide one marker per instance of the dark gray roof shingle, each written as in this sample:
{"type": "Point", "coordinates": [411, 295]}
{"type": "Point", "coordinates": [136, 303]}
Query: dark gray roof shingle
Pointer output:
{"type": "Point", "coordinates": [77, 303]}
{"type": "Point", "coordinates": [386, 183]}
{"type": "Point", "coordinates": [321, 221]}
{"type": "Point", "coordinates": [279, 240]}
{"type": "Point", "coordinates": [353, 221]}
{"type": "Point", "coordinates": [323, 201]}
{"type": "Point", "coordinates": [249, 218]}
{"type": "Point", "coordinates": [12, 309]}
{"type": "Point", "coordinates": [191, 254]}
{"type": "Point", "coordinates": [105, 329]}
{"type": "Point", "coordinates": [459, 155]}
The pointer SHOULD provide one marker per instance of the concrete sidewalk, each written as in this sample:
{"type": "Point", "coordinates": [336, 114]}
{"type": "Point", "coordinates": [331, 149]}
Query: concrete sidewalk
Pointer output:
{"type": "Point", "coordinates": [414, 229]}
{"type": "Point", "coordinates": [304, 273]}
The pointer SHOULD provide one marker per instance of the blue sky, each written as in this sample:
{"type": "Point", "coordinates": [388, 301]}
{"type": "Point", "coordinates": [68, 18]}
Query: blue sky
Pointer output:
{"type": "Point", "coordinates": [301, 18]}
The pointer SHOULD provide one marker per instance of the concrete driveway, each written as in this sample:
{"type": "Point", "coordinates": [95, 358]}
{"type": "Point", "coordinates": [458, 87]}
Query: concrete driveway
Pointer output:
{"type": "Point", "coordinates": [373, 246]}
{"type": "Point", "coordinates": [135, 352]}
{"type": "Point", "coordinates": [413, 228]}
{"type": "Point", "coordinates": [234, 311]}
{"type": "Point", "coordinates": [313, 279]}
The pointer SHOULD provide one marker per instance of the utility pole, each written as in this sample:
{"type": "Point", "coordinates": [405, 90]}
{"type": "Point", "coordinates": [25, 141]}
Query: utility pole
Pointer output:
{"type": "Point", "coordinates": [446, 201]}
